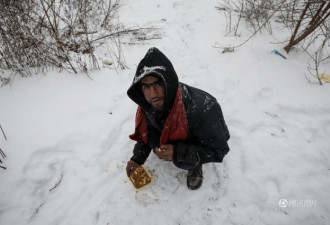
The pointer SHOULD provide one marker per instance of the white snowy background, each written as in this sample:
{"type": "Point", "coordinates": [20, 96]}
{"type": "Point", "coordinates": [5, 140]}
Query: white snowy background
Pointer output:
{"type": "Point", "coordinates": [68, 142]}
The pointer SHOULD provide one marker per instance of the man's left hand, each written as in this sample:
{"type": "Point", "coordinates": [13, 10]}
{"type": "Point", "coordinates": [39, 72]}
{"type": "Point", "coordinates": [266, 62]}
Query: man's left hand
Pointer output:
{"type": "Point", "coordinates": [165, 152]}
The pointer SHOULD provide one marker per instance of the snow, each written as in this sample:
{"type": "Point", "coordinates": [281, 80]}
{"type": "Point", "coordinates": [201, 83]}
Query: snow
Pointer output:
{"type": "Point", "coordinates": [68, 142]}
{"type": "Point", "coordinates": [148, 70]}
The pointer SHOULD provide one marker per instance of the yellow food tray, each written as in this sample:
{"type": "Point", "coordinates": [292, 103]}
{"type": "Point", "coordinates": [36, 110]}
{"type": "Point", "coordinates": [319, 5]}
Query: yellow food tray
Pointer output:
{"type": "Point", "coordinates": [140, 177]}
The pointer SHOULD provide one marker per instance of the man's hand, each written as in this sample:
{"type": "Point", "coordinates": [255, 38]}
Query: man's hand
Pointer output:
{"type": "Point", "coordinates": [165, 152]}
{"type": "Point", "coordinates": [131, 167]}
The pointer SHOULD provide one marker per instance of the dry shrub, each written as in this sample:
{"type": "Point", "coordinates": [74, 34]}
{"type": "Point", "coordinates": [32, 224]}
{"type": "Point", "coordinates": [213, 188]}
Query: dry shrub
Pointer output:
{"type": "Point", "coordinates": [37, 34]}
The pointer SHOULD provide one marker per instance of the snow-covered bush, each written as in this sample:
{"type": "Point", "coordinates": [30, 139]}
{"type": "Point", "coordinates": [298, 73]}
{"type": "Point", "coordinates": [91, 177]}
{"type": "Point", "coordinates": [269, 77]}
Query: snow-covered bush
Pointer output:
{"type": "Point", "coordinates": [307, 21]}
{"type": "Point", "coordinates": [36, 34]}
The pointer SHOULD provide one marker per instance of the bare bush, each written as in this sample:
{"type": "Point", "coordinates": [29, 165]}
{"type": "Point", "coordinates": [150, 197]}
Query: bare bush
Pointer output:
{"type": "Point", "coordinates": [319, 58]}
{"type": "Point", "coordinates": [256, 14]}
{"type": "Point", "coordinates": [309, 25]}
{"type": "Point", "coordinates": [311, 22]}
{"type": "Point", "coordinates": [307, 20]}
{"type": "Point", "coordinates": [36, 34]}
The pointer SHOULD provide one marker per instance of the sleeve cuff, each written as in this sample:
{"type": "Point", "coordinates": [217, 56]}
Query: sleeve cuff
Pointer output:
{"type": "Point", "coordinates": [137, 160]}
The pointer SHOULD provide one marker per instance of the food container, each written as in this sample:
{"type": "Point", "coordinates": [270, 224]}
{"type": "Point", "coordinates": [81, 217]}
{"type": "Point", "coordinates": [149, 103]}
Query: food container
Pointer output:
{"type": "Point", "coordinates": [140, 177]}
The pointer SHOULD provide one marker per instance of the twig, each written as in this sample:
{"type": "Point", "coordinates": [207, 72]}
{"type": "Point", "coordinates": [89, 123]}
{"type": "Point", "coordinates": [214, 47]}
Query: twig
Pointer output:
{"type": "Point", "coordinates": [317, 61]}
{"type": "Point", "coordinates": [2, 154]}
{"type": "Point", "coordinates": [315, 22]}
{"type": "Point", "coordinates": [175, 189]}
{"type": "Point", "coordinates": [261, 25]}
{"type": "Point", "coordinates": [239, 19]}
{"type": "Point", "coordinates": [37, 210]}
{"type": "Point", "coordinates": [121, 32]}
{"type": "Point", "coordinates": [58, 183]}
{"type": "Point", "coordinates": [3, 132]}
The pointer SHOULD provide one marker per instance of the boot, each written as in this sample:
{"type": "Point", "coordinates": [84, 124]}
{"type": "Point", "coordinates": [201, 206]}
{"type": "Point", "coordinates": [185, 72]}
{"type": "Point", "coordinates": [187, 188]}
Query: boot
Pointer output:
{"type": "Point", "coordinates": [195, 179]}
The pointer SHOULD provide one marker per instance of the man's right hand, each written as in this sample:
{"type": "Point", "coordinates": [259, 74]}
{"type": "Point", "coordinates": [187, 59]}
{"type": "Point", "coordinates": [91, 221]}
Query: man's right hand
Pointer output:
{"type": "Point", "coordinates": [131, 167]}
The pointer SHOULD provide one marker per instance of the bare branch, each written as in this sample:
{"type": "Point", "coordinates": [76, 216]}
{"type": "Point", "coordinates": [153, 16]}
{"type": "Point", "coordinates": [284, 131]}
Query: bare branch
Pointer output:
{"type": "Point", "coordinates": [57, 184]}
{"type": "Point", "coordinates": [3, 156]}
{"type": "Point", "coordinates": [289, 46]}
{"type": "Point", "coordinates": [319, 18]}
{"type": "Point", "coordinates": [3, 132]}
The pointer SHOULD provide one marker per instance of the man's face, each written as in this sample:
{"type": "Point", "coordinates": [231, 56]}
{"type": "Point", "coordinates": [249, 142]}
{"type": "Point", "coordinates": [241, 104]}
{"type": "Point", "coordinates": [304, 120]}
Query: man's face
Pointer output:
{"type": "Point", "coordinates": [154, 91]}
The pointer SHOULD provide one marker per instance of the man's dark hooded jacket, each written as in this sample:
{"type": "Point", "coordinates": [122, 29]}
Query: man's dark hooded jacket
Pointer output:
{"type": "Point", "coordinates": [207, 133]}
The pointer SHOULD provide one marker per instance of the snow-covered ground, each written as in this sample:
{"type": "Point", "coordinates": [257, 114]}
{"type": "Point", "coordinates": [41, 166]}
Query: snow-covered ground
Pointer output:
{"type": "Point", "coordinates": [68, 142]}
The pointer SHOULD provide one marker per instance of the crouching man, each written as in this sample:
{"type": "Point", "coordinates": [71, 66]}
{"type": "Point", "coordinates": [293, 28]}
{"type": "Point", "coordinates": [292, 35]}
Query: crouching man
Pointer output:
{"type": "Point", "coordinates": [180, 123]}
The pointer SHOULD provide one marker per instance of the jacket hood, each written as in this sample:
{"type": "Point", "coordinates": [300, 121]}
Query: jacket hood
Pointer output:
{"type": "Point", "coordinates": [154, 63]}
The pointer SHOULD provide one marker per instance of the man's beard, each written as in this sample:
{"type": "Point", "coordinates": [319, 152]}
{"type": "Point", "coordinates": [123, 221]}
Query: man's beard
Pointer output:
{"type": "Point", "coordinates": [158, 108]}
